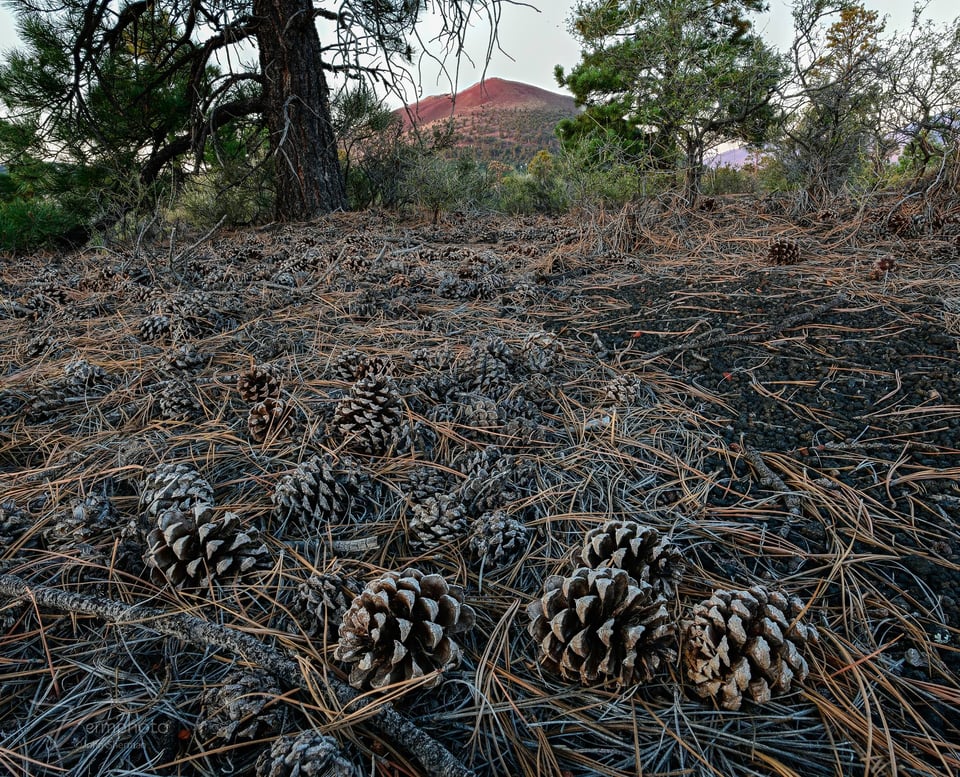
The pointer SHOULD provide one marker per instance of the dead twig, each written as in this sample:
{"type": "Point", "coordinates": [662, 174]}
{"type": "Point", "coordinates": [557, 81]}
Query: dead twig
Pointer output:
{"type": "Point", "coordinates": [434, 757]}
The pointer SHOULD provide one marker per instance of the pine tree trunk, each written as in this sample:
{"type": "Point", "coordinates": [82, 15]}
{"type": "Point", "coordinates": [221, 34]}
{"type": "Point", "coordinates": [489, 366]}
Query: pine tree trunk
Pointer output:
{"type": "Point", "coordinates": [308, 177]}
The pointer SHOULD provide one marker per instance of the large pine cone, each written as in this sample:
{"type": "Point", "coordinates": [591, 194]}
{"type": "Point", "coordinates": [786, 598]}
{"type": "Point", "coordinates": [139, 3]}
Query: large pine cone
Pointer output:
{"type": "Point", "coordinates": [313, 494]}
{"type": "Point", "coordinates": [242, 708]}
{"type": "Point", "coordinates": [260, 382]}
{"type": "Point", "coordinates": [498, 539]}
{"type": "Point", "coordinates": [600, 625]}
{"type": "Point", "coordinates": [308, 754]}
{"type": "Point", "coordinates": [638, 549]}
{"type": "Point", "coordinates": [177, 486]}
{"type": "Point", "coordinates": [399, 628]}
{"type": "Point", "coordinates": [269, 418]}
{"type": "Point", "coordinates": [746, 643]}
{"type": "Point", "coordinates": [370, 418]}
{"type": "Point", "coordinates": [191, 548]}
{"type": "Point", "coordinates": [436, 521]}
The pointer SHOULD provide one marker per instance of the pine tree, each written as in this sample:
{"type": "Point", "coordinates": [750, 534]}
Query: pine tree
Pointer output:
{"type": "Point", "coordinates": [141, 86]}
{"type": "Point", "coordinates": [669, 79]}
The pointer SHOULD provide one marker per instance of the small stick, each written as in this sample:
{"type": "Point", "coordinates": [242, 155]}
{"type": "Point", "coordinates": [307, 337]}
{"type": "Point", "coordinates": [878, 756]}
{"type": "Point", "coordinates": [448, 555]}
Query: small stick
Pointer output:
{"type": "Point", "coordinates": [436, 760]}
{"type": "Point", "coordinates": [771, 479]}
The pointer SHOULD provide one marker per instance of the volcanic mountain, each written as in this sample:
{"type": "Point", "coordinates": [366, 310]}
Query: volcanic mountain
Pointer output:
{"type": "Point", "coordinates": [496, 119]}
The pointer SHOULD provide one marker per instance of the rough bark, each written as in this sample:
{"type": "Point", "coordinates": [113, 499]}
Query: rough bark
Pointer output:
{"type": "Point", "coordinates": [435, 759]}
{"type": "Point", "coordinates": [297, 111]}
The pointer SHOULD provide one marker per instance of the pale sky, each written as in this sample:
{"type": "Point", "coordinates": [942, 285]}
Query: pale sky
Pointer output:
{"type": "Point", "coordinates": [536, 41]}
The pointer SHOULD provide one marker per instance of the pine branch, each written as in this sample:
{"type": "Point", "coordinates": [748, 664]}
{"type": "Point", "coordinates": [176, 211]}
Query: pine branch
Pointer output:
{"type": "Point", "coordinates": [435, 759]}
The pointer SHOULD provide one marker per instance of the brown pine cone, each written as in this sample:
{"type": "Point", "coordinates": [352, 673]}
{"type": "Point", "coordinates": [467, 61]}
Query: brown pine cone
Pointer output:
{"type": "Point", "coordinates": [746, 644]}
{"type": "Point", "coordinates": [638, 549]}
{"type": "Point", "coordinates": [783, 251]}
{"type": "Point", "coordinates": [269, 418]}
{"type": "Point", "coordinates": [193, 548]}
{"type": "Point", "coordinates": [399, 628]}
{"type": "Point", "coordinates": [260, 382]}
{"type": "Point", "coordinates": [601, 626]}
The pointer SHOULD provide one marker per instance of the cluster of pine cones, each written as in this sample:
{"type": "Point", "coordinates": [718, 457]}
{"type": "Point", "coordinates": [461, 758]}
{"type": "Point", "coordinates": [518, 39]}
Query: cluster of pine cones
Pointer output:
{"type": "Point", "coordinates": [608, 622]}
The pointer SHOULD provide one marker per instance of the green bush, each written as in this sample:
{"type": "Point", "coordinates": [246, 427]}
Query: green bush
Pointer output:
{"type": "Point", "coordinates": [439, 184]}
{"type": "Point", "coordinates": [529, 194]}
{"type": "Point", "coordinates": [28, 224]}
{"type": "Point", "coordinates": [725, 179]}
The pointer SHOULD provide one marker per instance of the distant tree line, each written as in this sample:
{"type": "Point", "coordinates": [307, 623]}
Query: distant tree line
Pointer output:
{"type": "Point", "coordinates": [117, 115]}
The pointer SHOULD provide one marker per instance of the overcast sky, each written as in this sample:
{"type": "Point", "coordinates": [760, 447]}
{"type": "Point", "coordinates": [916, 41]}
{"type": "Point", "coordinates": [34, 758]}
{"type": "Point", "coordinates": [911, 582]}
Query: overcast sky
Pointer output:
{"type": "Point", "coordinates": [534, 41]}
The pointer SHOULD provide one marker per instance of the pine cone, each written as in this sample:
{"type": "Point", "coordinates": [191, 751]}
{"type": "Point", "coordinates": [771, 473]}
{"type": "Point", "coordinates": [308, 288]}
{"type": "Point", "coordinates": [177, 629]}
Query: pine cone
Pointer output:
{"type": "Point", "coordinates": [399, 628]}
{"type": "Point", "coordinates": [190, 548]}
{"type": "Point", "coordinates": [269, 418]}
{"type": "Point", "coordinates": [424, 482]}
{"type": "Point", "coordinates": [49, 401]}
{"type": "Point", "coordinates": [323, 599]}
{"type": "Point", "coordinates": [600, 625]}
{"type": "Point", "coordinates": [177, 486]}
{"type": "Point", "coordinates": [626, 390]}
{"type": "Point", "coordinates": [486, 374]}
{"type": "Point", "coordinates": [313, 494]}
{"type": "Point", "coordinates": [541, 352]}
{"type": "Point", "coordinates": [81, 376]}
{"type": "Point", "coordinates": [308, 754]}
{"type": "Point", "coordinates": [241, 709]}
{"type": "Point", "coordinates": [155, 327]}
{"type": "Point", "coordinates": [260, 382]}
{"type": "Point", "coordinates": [370, 417]}
{"type": "Point", "coordinates": [436, 521]}
{"type": "Point", "coordinates": [498, 539]}
{"type": "Point", "coordinates": [882, 267]}
{"type": "Point", "coordinates": [14, 524]}
{"type": "Point", "coordinates": [350, 366]}
{"type": "Point", "coordinates": [477, 411]}
{"type": "Point", "coordinates": [783, 251]}
{"type": "Point", "coordinates": [89, 520]}
{"type": "Point", "coordinates": [181, 361]}
{"type": "Point", "coordinates": [746, 643]}
{"type": "Point", "coordinates": [39, 345]}
{"type": "Point", "coordinates": [494, 480]}
{"type": "Point", "coordinates": [637, 549]}
{"type": "Point", "coordinates": [178, 401]}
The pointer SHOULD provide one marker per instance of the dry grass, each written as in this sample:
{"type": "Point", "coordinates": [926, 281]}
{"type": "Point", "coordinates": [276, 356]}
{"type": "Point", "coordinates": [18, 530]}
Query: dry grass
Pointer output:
{"type": "Point", "coordinates": [849, 525]}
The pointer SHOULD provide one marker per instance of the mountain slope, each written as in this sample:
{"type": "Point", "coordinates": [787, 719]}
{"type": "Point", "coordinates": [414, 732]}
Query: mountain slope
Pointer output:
{"type": "Point", "coordinates": [496, 119]}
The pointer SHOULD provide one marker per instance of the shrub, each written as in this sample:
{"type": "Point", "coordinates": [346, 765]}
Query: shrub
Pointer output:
{"type": "Point", "coordinates": [29, 224]}
{"type": "Point", "coordinates": [441, 184]}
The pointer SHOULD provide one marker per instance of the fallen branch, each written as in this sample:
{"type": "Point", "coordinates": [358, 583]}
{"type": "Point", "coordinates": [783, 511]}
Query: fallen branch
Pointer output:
{"type": "Point", "coordinates": [436, 760]}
